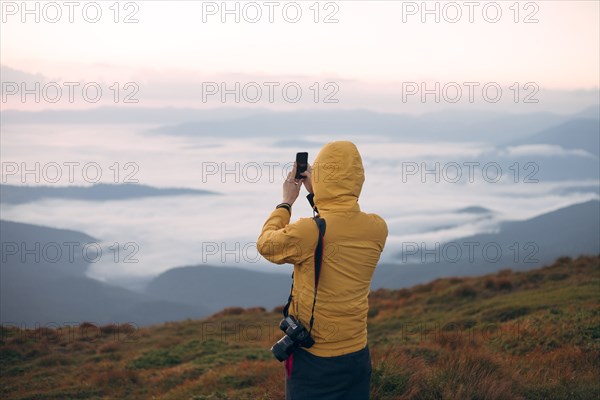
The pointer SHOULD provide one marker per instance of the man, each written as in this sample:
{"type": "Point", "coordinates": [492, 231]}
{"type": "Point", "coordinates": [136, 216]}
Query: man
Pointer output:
{"type": "Point", "coordinates": [338, 365]}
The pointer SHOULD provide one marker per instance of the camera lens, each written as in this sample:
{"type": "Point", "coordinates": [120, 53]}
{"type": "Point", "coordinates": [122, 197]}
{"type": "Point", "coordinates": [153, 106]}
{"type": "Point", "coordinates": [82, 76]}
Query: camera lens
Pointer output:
{"type": "Point", "coordinates": [283, 348]}
{"type": "Point", "coordinates": [283, 325]}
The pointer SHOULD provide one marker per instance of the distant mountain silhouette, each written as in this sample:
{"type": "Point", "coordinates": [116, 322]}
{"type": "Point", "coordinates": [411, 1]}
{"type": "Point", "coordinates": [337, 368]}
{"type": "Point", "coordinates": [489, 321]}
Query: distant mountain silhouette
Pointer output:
{"type": "Point", "coordinates": [474, 210]}
{"type": "Point", "coordinates": [459, 125]}
{"type": "Point", "coordinates": [43, 291]}
{"type": "Point", "coordinates": [220, 287]}
{"type": "Point", "coordinates": [125, 115]}
{"type": "Point", "coordinates": [13, 194]}
{"type": "Point", "coordinates": [569, 231]}
{"type": "Point", "coordinates": [562, 152]}
{"type": "Point", "coordinates": [18, 236]}
{"type": "Point", "coordinates": [258, 122]}
{"type": "Point", "coordinates": [589, 112]}
{"type": "Point", "coordinates": [581, 134]}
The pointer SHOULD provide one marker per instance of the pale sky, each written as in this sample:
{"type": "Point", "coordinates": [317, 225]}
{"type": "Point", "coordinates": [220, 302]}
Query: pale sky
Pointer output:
{"type": "Point", "coordinates": [370, 42]}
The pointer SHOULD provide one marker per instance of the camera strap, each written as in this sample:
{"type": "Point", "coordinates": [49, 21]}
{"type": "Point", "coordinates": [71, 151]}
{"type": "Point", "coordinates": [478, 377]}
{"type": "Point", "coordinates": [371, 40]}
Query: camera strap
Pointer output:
{"type": "Point", "coordinates": [318, 261]}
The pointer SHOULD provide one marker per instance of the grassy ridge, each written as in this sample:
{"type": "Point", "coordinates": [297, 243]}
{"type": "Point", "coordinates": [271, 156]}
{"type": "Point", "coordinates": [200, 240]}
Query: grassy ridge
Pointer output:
{"type": "Point", "coordinates": [510, 335]}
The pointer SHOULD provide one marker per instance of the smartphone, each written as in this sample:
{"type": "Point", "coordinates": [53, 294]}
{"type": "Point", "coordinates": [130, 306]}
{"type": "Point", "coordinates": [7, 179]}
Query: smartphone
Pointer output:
{"type": "Point", "coordinates": [301, 164]}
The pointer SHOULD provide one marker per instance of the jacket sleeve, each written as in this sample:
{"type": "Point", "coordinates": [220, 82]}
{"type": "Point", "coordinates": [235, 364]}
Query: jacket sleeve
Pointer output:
{"type": "Point", "coordinates": [281, 242]}
{"type": "Point", "coordinates": [384, 232]}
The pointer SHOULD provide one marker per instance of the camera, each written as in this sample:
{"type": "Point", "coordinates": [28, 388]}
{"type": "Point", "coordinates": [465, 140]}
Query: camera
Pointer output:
{"type": "Point", "coordinates": [296, 335]}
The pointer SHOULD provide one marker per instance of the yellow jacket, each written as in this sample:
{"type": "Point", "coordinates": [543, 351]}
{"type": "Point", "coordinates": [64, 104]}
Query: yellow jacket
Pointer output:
{"type": "Point", "coordinates": [353, 242]}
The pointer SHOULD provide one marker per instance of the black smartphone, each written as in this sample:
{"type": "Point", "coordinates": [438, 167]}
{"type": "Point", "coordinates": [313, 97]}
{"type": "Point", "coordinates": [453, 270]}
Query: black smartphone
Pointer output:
{"type": "Point", "coordinates": [301, 164]}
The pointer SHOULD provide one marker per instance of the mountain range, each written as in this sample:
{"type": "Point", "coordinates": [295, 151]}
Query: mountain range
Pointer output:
{"type": "Point", "coordinates": [581, 133]}
{"type": "Point", "coordinates": [40, 291]}
{"type": "Point", "coordinates": [494, 127]}
{"type": "Point", "coordinates": [17, 194]}
{"type": "Point", "coordinates": [518, 245]}
{"type": "Point", "coordinates": [42, 281]}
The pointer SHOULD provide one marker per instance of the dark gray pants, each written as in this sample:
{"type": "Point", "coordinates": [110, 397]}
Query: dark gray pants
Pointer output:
{"type": "Point", "coordinates": [346, 377]}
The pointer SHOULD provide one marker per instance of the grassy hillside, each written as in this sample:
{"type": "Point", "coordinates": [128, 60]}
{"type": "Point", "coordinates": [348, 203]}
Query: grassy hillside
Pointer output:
{"type": "Point", "coordinates": [510, 335]}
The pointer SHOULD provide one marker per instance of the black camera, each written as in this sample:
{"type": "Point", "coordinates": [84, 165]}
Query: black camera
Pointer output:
{"type": "Point", "coordinates": [296, 335]}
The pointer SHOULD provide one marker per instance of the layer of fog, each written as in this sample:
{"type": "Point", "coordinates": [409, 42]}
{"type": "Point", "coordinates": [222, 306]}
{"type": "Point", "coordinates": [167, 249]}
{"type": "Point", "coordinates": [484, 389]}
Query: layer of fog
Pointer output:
{"type": "Point", "coordinates": [222, 229]}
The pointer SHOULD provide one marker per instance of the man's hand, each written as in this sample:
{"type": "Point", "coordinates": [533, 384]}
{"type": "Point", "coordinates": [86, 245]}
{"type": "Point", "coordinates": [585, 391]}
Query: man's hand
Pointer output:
{"type": "Point", "coordinates": [291, 187]}
{"type": "Point", "coordinates": [307, 182]}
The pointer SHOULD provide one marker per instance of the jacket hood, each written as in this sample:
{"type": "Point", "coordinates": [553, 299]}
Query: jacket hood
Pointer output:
{"type": "Point", "coordinates": [338, 176]}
